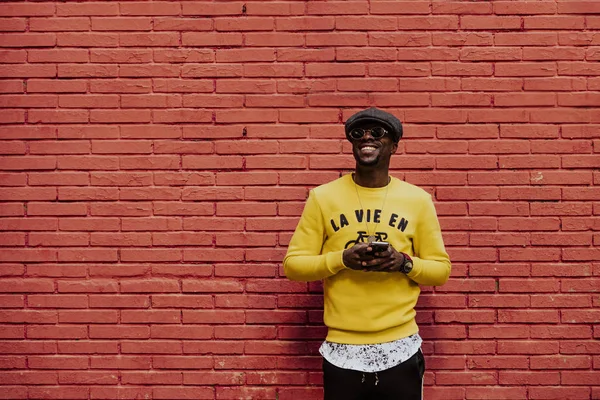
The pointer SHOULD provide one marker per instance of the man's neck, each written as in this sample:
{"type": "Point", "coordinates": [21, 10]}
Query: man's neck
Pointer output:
{"type": "Point", "coordinates": [371, 178]}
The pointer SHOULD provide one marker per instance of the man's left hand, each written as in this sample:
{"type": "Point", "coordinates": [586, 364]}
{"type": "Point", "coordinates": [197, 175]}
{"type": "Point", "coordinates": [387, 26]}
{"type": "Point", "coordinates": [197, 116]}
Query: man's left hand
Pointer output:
{"type": "Point", "coordinates": [390, 260]}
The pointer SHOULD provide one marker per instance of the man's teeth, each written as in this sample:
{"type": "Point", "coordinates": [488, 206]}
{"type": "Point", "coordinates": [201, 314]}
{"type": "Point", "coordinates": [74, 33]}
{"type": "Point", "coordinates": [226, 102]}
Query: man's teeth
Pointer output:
{"type": "Point", "coordinates": [368, 148]}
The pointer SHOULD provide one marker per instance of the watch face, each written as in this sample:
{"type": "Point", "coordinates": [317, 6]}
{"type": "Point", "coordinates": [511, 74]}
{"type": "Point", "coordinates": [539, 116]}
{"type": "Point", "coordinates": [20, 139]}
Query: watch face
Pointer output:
{"type": "Point", "coordinates": [407, 267]}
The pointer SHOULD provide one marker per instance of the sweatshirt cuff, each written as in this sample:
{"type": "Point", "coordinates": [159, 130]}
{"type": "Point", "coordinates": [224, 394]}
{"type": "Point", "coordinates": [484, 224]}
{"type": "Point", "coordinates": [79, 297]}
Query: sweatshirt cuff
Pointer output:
{"type": "Point", "coordinates": [334, 261]}
{"type": "Point", "coordinates": [417, 267]}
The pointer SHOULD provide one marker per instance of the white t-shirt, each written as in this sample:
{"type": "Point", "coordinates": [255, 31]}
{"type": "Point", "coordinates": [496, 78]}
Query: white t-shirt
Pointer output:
{"type": "Point", "coordinates": [371, 357]}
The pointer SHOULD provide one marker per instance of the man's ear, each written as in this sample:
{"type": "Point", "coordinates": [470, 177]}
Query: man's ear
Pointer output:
{"type": "Point", "coordinates": [394, 148]}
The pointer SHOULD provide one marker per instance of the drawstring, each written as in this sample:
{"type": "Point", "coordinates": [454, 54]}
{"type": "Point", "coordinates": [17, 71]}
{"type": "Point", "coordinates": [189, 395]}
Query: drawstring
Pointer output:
{"type": "Point", "coordinates": [364, 378]}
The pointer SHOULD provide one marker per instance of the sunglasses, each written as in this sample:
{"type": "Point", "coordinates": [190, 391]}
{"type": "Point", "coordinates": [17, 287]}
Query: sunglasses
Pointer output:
{"type": "Point", "coordinates": [377, 132]}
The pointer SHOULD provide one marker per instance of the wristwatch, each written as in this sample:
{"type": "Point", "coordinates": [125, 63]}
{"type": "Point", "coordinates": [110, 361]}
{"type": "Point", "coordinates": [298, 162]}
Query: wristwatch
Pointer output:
{"type": "Point", "coordinates": [407, 265]}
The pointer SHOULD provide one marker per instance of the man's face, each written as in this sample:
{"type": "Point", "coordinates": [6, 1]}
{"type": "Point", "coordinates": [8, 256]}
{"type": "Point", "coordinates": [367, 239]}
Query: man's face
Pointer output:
{"type": "Point", "coordinates": [371, 152]}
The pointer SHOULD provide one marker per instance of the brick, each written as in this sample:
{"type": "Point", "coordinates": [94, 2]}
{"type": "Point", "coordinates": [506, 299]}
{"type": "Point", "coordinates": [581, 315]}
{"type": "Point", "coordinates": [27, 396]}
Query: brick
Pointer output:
{"type": "Point", "coordinates": [446, 22]}
{"type": "Point", "coordinates": [155, 9]}
{"type": "Point", "coordinates": [528, 316]}
{"type": "Point", "coordinates": [10, 179]}
{"type": "Point", "coordinates": [199, 8]}
{"type": "Point", "coordinates": [182, 301]}
{"type": "Point", "coordinates": [385, 100]}
{"type": "Point", "coordinates": [189, 55]}
{"type": "Point", "coordinates": [467, 378]}
{"type": "Point", "coordinates": [62, 147]}
{"type": "Point", "coordinates": [548, 392]}
{"type": "Point", "coordinates": [474, 316]}
{"type": "Point", "coordinates": [526, 39]}
{"type": "Point", "coordinates": [462, 99]}
{"type": "Point", "coordinates": [87, 39]}
{"type": "Point", "coordinates": [489, 23]}
{"type": "Point", "coordinates": [338, 7]}
{"type": "Point", "coordinates": [105, 393]}
{"type": "Point", "coordinates": [156, 162]}
{"type": "Point", "coordinates": [59, 24]}
{"type": "Point", "coordinates": [29, 224]}
{"type": "Point", "coordinates": [498, 331]}
{"type": "Point", "coordinates": [13, 85]}
{"type": "Point", "coordinates": [279, 378]}
{"type": "Point", "coordinates": [182, 85]}
{"type": "Point", "coordinates": [216, 224]}
{"type": "Point", "coordinates": [120, 332]}
{"type": "Point", "coordinates": [400, 7]}
{"type": "Point", "coordinates": [13, 24]}
{"type": "Point", "coordinates": [450, 7]}
{"type": "Point", "coordinates": [229, 270]}
{"type": "Point", "coordinates": [526, 347]}
{"type": "Point", "coordinates": [59, 56]}
{"type": "Point", "coordinates": [278, 8]}
{"type": "Point", "coordinates": [495, 84]}
{"type": "Point", "coordinates": [304, 23]}
{"type": "Point", "coordinates": [245, 332]}
{"type": "Point", "coordinates": [560, 332]}
{"type": "Point", "coordinates": [533, 224]}
{"type": "Point", "coordinates": [313, 85]}
{"type": "Point", "coordinates": [532, 286]}
{"type": "Point", "coordinates": [566, 270]}
{"type": "Point", "coordinates": [29, 377]}
{"type": "Point", "coordinates": [150, 255]}
{"type": "Point", "coordinates": [525, 69]}
{"type": "Point", "coordinates": [158, 39]}
{"type": "Point", "coordinates": [502, 362]}
{"type": "Point", "coordinates": [577, 68]}
{"type": "Point", "coordinates": [281, 162]}
{"type": "Point", "coordinates": [274, 101]}
{"type": "Point", "coordinates": [577, 7]}
{"type": "Point", "coordinates": [13, 148]}
{"type": "Point", "coordinates": [121, 24]}
{"type": "Point", "coordinates": [187, 208]}
{"type": "Point", "coordinates": [245, 116]}
{"type": "Point", "coordinates": [57, 239]}
{"type": "Point", "coordinates": [89, 224]}
{"type": "Point", "coordinates": [146, 70]}
{"type": "Point", "coordinates": [462, 39]}
{"type": "Point", "coordinates": [535, 53]}
{"type": "Point", "coordinates": [553, 84]}
{"type": "Point", "coordinates": [121, 86]}
{"type": "Point", "coordinates": [70, 255]}
{"type": "Point", "coordinates": [506, 7]}
{"type": "Point", "coordinates": [11, 239]}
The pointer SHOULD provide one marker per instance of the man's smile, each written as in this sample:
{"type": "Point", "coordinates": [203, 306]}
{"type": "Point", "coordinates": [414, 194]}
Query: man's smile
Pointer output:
{"type": "Point", "coordinates": [368, 149]}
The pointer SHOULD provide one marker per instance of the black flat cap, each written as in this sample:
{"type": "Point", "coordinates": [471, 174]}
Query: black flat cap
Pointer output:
{"type": "Point", "coordinates": [373, 114]}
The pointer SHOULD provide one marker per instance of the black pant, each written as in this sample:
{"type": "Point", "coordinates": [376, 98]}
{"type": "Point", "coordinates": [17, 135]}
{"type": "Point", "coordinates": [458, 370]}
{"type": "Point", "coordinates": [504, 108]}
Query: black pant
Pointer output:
{"type": "Point", "coordinates": [402, 382]}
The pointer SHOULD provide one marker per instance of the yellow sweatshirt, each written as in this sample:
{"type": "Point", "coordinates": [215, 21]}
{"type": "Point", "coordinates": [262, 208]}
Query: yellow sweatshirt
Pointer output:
{"type": "Point", "coordinates": [367, 307]}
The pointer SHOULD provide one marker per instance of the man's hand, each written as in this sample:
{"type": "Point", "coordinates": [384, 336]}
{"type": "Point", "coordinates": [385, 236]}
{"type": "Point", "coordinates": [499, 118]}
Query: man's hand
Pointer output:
{"type": "Point", "coordinates": [356, 258]}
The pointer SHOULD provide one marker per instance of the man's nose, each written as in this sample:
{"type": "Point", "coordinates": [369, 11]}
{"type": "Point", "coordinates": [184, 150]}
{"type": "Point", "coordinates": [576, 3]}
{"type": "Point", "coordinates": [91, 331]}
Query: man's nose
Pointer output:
{"type": "Point", "coordinates": [368, 135]}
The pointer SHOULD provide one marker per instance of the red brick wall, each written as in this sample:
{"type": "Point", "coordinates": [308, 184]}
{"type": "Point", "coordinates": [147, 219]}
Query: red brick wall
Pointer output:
{"type": "Point", "coordinates": [156, 156]}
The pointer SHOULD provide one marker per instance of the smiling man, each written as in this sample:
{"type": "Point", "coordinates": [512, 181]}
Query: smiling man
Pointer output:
{"type": "Point", "coordinates": [372, 239]}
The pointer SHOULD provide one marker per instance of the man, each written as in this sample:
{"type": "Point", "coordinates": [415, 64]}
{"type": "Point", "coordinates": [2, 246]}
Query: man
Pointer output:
{"type": "Point", "coordinates": [372, 349]}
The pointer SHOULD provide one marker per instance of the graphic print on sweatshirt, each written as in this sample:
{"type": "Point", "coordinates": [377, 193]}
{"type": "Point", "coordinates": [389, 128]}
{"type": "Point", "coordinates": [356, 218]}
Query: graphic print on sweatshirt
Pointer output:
{"type": "Point", "coordinates": [367, 216]}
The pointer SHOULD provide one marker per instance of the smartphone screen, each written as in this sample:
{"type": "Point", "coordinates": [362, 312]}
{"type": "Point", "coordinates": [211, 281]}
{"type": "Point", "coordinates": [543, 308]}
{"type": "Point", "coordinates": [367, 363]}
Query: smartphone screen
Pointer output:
{"type": "Point", "coordinates": [378, 247]}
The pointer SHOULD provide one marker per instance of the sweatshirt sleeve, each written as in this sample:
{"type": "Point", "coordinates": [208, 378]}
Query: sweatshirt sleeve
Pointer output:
{"type": "Point", "coordinates": [431, 263]}
{"type": "Point", "coordinates": [304, 261]}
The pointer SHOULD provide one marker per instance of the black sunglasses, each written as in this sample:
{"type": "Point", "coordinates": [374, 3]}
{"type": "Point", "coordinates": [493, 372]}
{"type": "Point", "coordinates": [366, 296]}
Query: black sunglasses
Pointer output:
{"type": "Point", "coordinates": [377, 132]}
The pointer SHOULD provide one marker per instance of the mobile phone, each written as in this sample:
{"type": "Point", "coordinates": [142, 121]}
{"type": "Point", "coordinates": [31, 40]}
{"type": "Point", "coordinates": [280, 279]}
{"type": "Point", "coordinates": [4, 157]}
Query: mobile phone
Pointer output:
{"type": "Point", "coordinates": [378, 247]}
